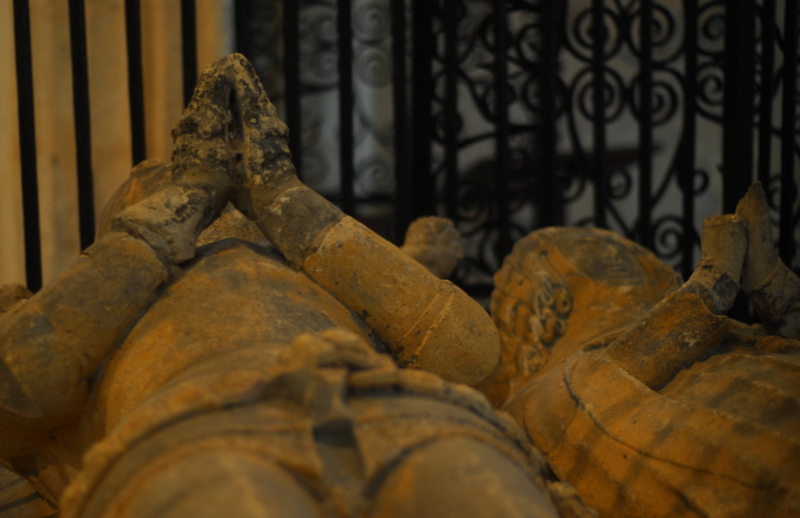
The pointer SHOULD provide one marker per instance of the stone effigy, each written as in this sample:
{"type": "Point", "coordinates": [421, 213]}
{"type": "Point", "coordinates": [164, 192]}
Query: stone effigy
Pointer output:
{"type": "Point", "coordinates": [309, 368]}
{"type": "Point", "coordinates": [637, 388]}
{"type": "Point", "coordinates": [154, 379]}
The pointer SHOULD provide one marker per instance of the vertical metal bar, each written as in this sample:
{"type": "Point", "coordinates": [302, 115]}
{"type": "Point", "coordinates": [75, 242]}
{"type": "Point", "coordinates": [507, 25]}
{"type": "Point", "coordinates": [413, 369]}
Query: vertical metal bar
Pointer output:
{"type": "Point", "coordinates": [241, 11]}
{"type": "Point", "coordinates": [345, 27]}
{"type": "Point", "coordinates": [291, 62]}
{"type": "Point", "coordinates": [686, 153]}
{"type": "Point", "coordinates": [739, 109]}
{"type": "Point", "coordinates": [788, 187]}
{"type": "Point", "coordinates": [189, 48]}
{"type": "Point", "coordinates": [767, 83]}
{"type": "Point", "coordinates": [82, 118]}
{"type": "Point", "coordinates": [644, 231]}
{"type": "Point", "coordinates": [502, 128]}
{"type": "Point", "coordinates": [133, 35]}
{"type": "Point", "coordinates": [422, 96]}
{"type": "Point", "coordinates": [737, 144]}
{"type": "Point", "coordinates": [27, 144]}
{"type": "Point", "coordinates": [451, 107]}
{"type": "Point", "coordinates": [403, 179]}
{"type": "Point", "coordinates": [550, 209]}
{"type": "Point", "coordinates": [598, 124]}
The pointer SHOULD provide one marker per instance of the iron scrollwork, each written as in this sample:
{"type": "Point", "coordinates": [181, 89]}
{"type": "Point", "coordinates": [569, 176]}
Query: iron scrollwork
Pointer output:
{"type": "Point", "coordinates": [684, 114]}
{"type": "Point", "coordinates": [371, 24]}
{"type": "Point", "coordinates": [575, 110]}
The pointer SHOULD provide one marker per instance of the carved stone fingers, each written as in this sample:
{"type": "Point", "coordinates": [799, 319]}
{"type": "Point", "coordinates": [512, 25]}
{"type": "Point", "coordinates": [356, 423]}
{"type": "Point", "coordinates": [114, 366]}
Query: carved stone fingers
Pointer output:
{"type": "Point", "coordinates": [772, 287]}
{"type": "Point", "coordinates": [263, 164]}
{"type": "Point", "coordinates": [208, 143]}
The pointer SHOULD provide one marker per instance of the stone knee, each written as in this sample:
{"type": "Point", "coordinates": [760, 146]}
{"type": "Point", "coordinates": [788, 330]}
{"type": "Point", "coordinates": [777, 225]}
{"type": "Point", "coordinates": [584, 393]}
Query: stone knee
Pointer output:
{"type": "Point", "coordinates": [219, 483]}
{"type": "Point", "coordinates": [459, 477]}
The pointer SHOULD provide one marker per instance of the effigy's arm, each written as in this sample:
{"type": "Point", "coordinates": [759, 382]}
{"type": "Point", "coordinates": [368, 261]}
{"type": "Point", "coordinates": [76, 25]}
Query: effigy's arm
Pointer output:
{"type": "Point", "coordinates": [684, 325]}
{"type": "Point", "coordinates": [427, 323]}
{"type": "Point", "coordinates": [687, 323]}
{"type": "Point", "coordinates": [52, 343]}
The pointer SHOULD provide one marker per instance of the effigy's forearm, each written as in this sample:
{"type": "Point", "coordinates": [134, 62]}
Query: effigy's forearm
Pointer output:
{"type": "Point", "coordinates": [53, 343]}
{"type": "Point", "coordinates": [686, 324]}
{"type": "Point", "coordinates": [428, 323]}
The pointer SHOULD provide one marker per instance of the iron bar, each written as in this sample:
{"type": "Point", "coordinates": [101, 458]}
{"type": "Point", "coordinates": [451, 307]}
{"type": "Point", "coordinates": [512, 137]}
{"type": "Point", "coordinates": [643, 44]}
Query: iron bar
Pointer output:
{"type": "Point", "coordinates": [788, 137]}
{"type": "Point", "coordinates": [502, 159]}
{"type": "Point", "coordinates": [27, 145]}
{"type": "Point", "coordinates": [189, 48]}
{"type": "Point", "coordinates": [291, 62]}
{"type": "Point", "coordinates": [687, 150]}
{"type": "Point", "coordinates": [737, 119]}
{"type": "Point", "coordinates": [346, 103]}
{"type": "Point", "coordinates": [598, 115]}
{"type": "Point", "coordinates": [402, 175]}
{"type": "Point", "coordinates": [451, 108]}
{"type": "Point", "coordinates": [765, 95]}
{"type": "Point", "coordinates": [550, 209]}
{"type": "Point", "coordinates": [133, 35]}
{"type": "Point", "coordinates": [241, 11]}
{"type": "Point", "coordinates": [645, 233]}
{"type": "Point", "coordinates": [737, 144]}
{"type": "Point", "coordinates": [82, 120]}
{"type": "Point", "coordinates": [424, 199]}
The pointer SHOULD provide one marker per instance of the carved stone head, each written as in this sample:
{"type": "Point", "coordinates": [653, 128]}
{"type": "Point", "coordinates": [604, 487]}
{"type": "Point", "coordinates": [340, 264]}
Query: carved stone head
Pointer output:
{"type": "Point", "coordinates": [563, 289]}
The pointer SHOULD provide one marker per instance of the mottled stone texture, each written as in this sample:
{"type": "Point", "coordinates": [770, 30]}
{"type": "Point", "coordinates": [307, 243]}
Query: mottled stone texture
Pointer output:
{"type": "Point", "coordinates": [157, 379]}
{"type": "Point", "coordinates": [657, 408]}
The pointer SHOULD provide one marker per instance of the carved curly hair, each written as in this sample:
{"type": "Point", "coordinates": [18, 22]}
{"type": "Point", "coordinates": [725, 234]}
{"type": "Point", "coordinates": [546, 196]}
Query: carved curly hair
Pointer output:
{"type": "Point", "coordinates": [532, 302]}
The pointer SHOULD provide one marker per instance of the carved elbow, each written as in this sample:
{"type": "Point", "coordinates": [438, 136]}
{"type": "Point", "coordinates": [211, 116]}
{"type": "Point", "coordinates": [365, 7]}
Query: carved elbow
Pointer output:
{"type": "Point", "coordinates": [460, 343]}
{"type": "Point", "coordinates": [39, 377]}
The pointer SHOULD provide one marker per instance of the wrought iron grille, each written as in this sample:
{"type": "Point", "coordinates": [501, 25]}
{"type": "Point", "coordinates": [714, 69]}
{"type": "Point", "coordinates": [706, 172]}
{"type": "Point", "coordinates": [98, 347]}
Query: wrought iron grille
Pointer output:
{"type": "Point", "coordinates": [505, 116]}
